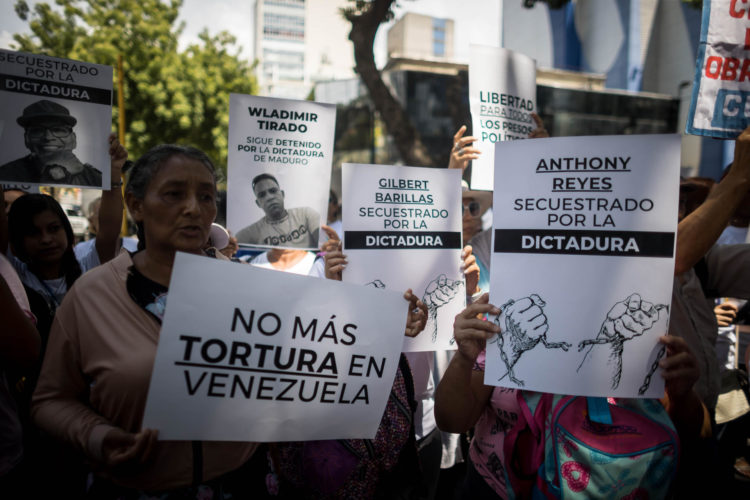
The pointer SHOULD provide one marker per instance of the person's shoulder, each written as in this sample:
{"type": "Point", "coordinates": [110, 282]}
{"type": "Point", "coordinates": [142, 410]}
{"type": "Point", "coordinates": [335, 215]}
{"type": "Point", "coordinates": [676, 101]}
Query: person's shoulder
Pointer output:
{"type": "Point", "coordinates": [304, 212]}
{"type": "Point", "coordinates": [260, 260]}
{"type": "Point", "coordinates": [103, 276]}
{"type": "Point", "coordinates": [83, 248]}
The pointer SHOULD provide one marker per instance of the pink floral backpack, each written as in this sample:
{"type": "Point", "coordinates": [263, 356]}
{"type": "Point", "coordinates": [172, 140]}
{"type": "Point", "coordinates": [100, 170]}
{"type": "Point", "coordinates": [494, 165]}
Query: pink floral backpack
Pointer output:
{"type": "Point", "coordinates": [578, 447]}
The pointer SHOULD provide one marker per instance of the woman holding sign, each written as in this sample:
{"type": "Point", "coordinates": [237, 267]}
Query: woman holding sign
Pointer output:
{"type": "Point", "coordinates": [497, 414]}
{"type": "Point", "coordinates": [95, 378]}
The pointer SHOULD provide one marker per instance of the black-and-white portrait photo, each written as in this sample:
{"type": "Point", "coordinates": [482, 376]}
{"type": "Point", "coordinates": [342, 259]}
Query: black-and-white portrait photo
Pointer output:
{"type": "Point", "coordinates": [278, 170]}
{"type": "Point", "coordinates": [280, 226]}
{"type": "Point", "coordinates": [50, 138]}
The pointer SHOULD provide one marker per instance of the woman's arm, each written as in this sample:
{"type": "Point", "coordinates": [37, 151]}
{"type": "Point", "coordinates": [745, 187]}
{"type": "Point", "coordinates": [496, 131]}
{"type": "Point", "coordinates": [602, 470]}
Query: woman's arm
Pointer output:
{"type": "Point", "coordinates": [60, 404]}
{"type": "Point", "coordinates": [461, 395]}
{"type": "Point", "coordinates": [697, 232]}
{"type": "Point", "coordinates": [110, 211]}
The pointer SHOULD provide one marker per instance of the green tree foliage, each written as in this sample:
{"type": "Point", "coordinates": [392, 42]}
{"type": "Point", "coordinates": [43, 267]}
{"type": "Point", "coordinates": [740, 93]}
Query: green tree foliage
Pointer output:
{"type": "Point", "coordinates": [171, 96]}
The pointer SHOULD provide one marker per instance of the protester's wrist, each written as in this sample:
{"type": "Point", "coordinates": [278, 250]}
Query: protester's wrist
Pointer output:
{"type": "Point", "coordinates": [96, 439]}
{"type": "Point", "coordinates": [470, 299]}
{"type": "Point", "coordinates": [464, 360]}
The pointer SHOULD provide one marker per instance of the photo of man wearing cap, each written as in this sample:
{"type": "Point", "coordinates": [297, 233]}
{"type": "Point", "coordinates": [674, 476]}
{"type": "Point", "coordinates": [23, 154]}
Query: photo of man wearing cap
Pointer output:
{"type": "Point", "coordinates": [50, 139]}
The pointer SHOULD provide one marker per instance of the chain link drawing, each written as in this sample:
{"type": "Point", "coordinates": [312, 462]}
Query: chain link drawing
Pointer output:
{"type": "Point", "coordinates": [626, 320]}
{"type": "Point", "coordinates": [654, 366]}
{"type": "Point", "coordinates": [376, 284]}
{"type": "Point", "coordinates": [524, 325]}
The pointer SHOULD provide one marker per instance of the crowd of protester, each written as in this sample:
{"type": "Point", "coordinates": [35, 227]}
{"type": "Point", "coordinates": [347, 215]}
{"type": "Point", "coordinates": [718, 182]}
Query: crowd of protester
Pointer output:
{"type": "Point", "coordinates": [80, 327]}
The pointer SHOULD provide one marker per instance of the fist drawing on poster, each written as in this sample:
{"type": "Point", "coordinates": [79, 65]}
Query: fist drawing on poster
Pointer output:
{"type": "Point", "coordinates": [523, 325]}
{"type": "Point", "coordinates": [626, 320]}
{"type": "Point", "coordinates": [438, 293]}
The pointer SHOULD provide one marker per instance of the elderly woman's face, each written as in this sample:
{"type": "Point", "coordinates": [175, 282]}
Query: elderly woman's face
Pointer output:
{"type": "Point", "coordinates": [179, 206]}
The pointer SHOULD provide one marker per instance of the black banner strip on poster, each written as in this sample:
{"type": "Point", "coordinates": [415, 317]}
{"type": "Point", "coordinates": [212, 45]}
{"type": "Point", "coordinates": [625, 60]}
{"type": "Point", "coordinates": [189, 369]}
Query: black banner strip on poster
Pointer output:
{"type": "Point", "coordinates": [397, 240]}
{"type": "Point", "coordinates": [57, 90]}
{"type": "Point", "coordinates": [615, 243]}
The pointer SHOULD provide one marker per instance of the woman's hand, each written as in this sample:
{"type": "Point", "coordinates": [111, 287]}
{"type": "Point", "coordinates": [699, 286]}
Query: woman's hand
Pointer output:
{"type": "Point", "coordinates": [417, 316]}
{"type": "Point", "coordinates": [470, 269]}
{"type": "Point", "coordinates": [118, 155]}
{"type": "Point", "coordinates": [231, 248]}
{"type": "Point", "coordinates": [539, 131]}
{"type": "Point", "coordinates": [463, 151]}
{"type": "Point", "coordinates": [333, 240]}
{"type": "Point", "coordinates": [679, 368]}
{"type": "Point", "coordinates": [471, 332]}
{"type": "Point", "coordinates": [122, 449]}
{"type": "Point", "coordinates": [335, 262]}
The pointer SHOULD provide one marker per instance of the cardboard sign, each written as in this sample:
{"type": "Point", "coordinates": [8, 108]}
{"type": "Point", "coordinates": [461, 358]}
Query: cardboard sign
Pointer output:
{"type": "Point", "coordinates": [279, 170]}
{"type": "Point", "coordinates": [56, 118]}
{"type": "Point", "coordinates": [502, 95]}
{"type": "Point", "coordinates": [402, 229]}
{"type": "Point", "coordinates": [249, 354]}
{"type": "Point", "coordinates": [583, 263]}
{"type": "Point", "coordinates": [720, 105]}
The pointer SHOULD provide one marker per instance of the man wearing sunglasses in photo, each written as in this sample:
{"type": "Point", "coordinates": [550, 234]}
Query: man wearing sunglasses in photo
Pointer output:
{"type": "Point", "coordinates": [50, 139]}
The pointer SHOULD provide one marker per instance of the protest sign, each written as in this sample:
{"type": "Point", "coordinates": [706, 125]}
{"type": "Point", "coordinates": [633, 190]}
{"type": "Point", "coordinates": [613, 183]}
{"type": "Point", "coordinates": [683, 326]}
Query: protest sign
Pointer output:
{"type": "Point", "coordinates": [279, 170]}
{"type": "Point", "coordinates": [502, 95]}
{"type": "Point", "coordinates": [402, 229]}
{"type": "Point", "coordinates": [583, 262]}
{"type": "Point", "coordinates": [720, 105]}
{"type": "Point", "coordinates": [249, 354]}
{"type": "Point", "coordinates": [56, 118]}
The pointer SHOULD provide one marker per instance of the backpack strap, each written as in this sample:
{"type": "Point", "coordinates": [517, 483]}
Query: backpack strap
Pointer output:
{"type": "Point", "coordinates": [524, 445]}
{"type": "Point", "coordinates": [599, 410]}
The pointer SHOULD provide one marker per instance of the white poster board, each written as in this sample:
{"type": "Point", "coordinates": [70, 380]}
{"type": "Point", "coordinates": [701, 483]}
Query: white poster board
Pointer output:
{"type": "Point", "coordinates": [250, 354]}
{"type": "Point", "coordinates": [502, 96]}
{"type": "Point", "coordinates": [583, 263]}
{"type": "Point", "coordinates": [402, 229]}
{"type": "Point", "coordinates": [290, 144]}
{"type": "Point", "coordinates": [55, 120]}
{"type": "Point", "coordinates": [720, 105]}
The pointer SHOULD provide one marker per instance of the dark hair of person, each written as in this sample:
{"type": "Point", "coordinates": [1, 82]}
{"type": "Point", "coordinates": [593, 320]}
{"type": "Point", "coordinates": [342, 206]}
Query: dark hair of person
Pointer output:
{"type": "Point", "coordinates": [148, 165]}
{"type": "Point", "coordinates": [21, 224]}
{"type": "Point", "coordinates": [262, 176]}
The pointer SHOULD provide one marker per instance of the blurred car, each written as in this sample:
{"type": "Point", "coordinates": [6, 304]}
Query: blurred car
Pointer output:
{"type": "Point", "coordinates": [75, 215]}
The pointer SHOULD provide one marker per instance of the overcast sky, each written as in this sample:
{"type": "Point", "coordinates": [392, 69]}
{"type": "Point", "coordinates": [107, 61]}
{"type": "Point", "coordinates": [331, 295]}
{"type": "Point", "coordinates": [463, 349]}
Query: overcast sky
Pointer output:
{"type": "Point", "coordinates": [476, 21]}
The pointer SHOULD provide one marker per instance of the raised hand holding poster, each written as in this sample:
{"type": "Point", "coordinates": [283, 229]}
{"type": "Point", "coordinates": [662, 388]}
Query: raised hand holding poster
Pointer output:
{"type": "Point", "coordinates": [279, 170]}
{"type": "Point", "coordinates": [249, 354]}
{"type": "Point", "coordinates": [402, 229]}
{"type": "Point", "coordinates": [56, 116]}
{"type": "Point", "coordinates": [720, 105]}
{"type": "Point", "coordinates": [583, 263]}
{"type": "Point", "coordinates": [502, 95]}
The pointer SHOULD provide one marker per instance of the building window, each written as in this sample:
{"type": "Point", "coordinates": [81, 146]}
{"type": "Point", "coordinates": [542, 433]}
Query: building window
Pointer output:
{"type": "Point", "coordinates": [438, 37]}
{"type": "Point", "coordinates": [298, 4]}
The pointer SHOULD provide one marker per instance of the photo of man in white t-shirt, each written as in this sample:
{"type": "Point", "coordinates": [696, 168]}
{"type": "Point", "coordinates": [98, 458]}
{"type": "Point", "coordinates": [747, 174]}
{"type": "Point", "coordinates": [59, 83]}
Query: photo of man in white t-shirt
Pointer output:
{"type": "Point", "coordinates": [293, 227]}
